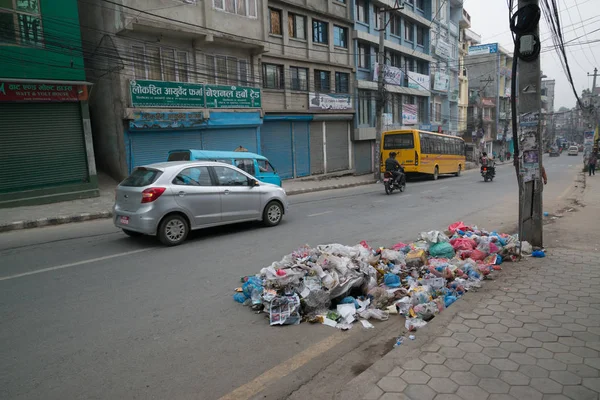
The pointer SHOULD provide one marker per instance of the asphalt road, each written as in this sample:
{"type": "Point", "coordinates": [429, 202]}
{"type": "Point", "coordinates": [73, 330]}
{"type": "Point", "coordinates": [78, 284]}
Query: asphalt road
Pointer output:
{"type": "Point", "coordinates": [86, 312]}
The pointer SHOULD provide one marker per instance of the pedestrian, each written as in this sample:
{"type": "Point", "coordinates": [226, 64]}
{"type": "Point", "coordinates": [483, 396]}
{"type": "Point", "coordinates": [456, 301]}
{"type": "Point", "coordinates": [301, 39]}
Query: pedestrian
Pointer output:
{"type": "Point", "coordinates": [592, 161]}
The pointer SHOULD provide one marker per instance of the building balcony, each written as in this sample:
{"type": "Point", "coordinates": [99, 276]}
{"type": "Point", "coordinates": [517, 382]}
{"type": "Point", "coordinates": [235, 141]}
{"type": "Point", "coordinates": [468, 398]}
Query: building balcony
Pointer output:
{"type": "Point", "coordinates": [465, 20]}
{"type": "Point", "coordinates": [453, 28]}
{"type": "Point", "coordinates": [473, 37]}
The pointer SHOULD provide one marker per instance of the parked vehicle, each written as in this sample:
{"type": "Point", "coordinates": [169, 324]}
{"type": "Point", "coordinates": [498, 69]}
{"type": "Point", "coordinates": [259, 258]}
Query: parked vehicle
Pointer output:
{"type": "Point", "coordinates": [488, 173]}
{"type": "Point", "coordinates": [171, 199]}
{"type": "Point", "coordinates": [573, 150]}
{"type": "Point", "coordinates": [254, 164]}
{"type": "Point", "coordinates": [554, 152]}
{"type": "Point", "coordinates": [391, 184]}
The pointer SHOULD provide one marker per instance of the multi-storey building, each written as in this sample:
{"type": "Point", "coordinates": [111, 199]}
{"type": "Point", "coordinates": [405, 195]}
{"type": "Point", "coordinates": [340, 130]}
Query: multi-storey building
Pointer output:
{"type": "Point", "coordinates": [490, 69]}
{"type": "Point", "coordinates": [444, 44]}
{"type": "Point", "coordinates": [406, 72]}
{"type": "Point", "coordinates": [46, 151]}
{"type": "Point", "coordinates": [463, 78]}
{"type": "Point", "coordinates": [273, 77]}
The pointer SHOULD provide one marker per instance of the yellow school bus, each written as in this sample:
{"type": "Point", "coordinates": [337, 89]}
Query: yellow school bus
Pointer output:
{"type": "Point", "coordinates": [422, 152]}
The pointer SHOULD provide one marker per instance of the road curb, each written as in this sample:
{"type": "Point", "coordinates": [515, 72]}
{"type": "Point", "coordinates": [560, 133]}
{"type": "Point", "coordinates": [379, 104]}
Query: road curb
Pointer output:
{"type": "Point", "coordinates": [324, 188]}
{"type": "Point", "coordinates": [52, 221]}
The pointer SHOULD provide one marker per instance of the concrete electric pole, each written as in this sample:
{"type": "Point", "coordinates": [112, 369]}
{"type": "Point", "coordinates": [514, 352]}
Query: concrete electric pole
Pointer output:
{"type": "Point", "coordinates": [530, 125]}
{"type": "Point", "coordinates": [380, 100]}
{"type": "Point", "coordinates": [595, 75]}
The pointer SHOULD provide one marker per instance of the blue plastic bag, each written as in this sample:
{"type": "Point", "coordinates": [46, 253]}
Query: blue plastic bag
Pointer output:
{"type": "Point", "coordinates": [240, 298]}
{"type": "Point", "coordinates": [449, 300]}
{"type": "Point", "coordinates": [391, 280]}
{"type": "Point", "coordinates": [498, 259]}
{"type": "Point", "coordinates": [538, 254]}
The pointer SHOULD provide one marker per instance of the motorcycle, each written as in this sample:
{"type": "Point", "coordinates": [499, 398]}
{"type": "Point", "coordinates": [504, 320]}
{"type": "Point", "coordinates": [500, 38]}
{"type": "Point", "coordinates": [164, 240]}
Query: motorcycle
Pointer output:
{"type": "Point", "coordinates": [488, 173]}
{"type": "Point", "coordinates": [390, 184]}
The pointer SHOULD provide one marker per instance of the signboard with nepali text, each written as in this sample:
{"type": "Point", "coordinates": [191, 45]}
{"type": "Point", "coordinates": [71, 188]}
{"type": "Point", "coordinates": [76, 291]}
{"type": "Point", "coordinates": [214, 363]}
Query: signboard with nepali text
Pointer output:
{"type": "Point", "coordinates": [162, 94]}
{"type": "Point", "coordinates": [21, 91]}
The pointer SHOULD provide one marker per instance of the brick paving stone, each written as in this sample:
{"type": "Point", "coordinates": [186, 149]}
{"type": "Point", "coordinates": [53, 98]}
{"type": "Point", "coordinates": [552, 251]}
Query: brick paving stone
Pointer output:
{"type": "Point", "coordinates": [494, 385]}
{"type": "Point", "coordinates": [472, 393]}
{"type": "Point", "coordinates": [465, 378]}
{"type": "Point", "coordinates": [392, 384]}
{"type": "Point", "coordinates": [442, 385]}
{"type": "Point", "coordinates": [515, 378]}
{"type": "Point", "coordinates": [565, 377]}
{"type": "Point", "coordinates": [421, 392]}
{"type": "Point", "coordinates": [437, 371]}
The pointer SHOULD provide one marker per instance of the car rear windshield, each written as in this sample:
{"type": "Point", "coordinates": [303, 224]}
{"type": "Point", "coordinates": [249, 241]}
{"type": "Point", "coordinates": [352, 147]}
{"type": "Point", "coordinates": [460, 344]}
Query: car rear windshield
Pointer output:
{"type": "Point", "coordinates": [179, 156]}
{"type": "Point", "coordinates": [398, 141]}
{"type": "Point", "coordinates": [141, 177]}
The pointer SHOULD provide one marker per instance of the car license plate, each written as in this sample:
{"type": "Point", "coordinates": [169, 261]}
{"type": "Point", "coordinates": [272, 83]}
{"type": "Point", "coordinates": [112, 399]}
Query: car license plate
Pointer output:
{"type": "Point", "coordinates": [124, 220]}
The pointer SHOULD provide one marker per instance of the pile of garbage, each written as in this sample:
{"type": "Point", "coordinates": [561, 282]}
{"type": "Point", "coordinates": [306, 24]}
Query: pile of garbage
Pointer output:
{"type": "Point", "coordinates": [337, 285]}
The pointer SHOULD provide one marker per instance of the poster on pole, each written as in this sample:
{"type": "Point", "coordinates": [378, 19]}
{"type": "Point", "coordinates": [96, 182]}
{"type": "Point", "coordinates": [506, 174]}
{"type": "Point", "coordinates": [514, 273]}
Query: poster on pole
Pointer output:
{"type": "Point", "coordinates": [529, 165]}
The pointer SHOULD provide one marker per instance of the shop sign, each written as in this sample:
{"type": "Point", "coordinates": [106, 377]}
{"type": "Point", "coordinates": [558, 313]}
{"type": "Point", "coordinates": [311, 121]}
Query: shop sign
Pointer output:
{"type": "Point", "coordinates": [391, 75]}
{"type": "Point", "coordinates": [441, 82]}
{"type": "Point", "coordinates": [20, 91]}
{"type": "Point", "coordinates": [409, 114]}
{"type": "Point", "coordinates": [166, 94]}
{"type": "Point", "coordinates": [320, 101]}
{"type": "Point", "coordinates": [419, 81]}
{"type": "Point", "coordinates": [491, 48]}
{"type": "Point", "coordinates": [442, 49]}
{"type": "Point", "coordinates": [166, 120]}
{"type": "Point", "coordinates": [232, 97]}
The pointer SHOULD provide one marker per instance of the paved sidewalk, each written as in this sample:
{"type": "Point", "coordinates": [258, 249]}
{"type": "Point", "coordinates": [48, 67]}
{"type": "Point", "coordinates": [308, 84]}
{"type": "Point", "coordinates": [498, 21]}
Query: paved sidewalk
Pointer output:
{"type": "Point", "coordinates": [101, 207]}
{"type": "Point", "coordinates": [531, 333]}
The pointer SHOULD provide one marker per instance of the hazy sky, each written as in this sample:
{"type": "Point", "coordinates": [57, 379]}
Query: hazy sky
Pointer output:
{"type": "Point", "coordinates": [489, 18]}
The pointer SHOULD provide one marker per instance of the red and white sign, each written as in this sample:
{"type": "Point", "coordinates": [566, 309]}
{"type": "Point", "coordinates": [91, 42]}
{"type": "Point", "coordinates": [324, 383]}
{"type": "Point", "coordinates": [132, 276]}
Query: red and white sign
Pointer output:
{"type": "Point", "coordinates": [21, 91]}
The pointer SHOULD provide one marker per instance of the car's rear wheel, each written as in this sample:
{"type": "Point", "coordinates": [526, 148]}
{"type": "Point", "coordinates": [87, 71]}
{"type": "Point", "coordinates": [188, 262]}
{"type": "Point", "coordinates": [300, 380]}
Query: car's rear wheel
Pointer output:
{"type": "Point", "coordinates": [173, 230]}
{"type": "Point", "coordinates": [273, 214]}
{"type": "Point", "coordinates": [132, 233]}
{"type": "Point", "coordinates": [436, 174]}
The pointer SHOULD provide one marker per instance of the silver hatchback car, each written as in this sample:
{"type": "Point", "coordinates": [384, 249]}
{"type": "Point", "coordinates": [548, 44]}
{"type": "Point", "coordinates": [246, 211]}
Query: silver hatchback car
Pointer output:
{"type": "Point", "coordinates": [170, 199]}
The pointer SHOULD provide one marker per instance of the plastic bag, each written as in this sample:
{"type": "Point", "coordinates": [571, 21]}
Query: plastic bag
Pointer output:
{"type": "Point", "coordinates": [434, 237]}
{"type": "Point", "coordinates": [393, 256]}
{"type": "Point", "coordinates": [391, 280]}
{"type": "Point", "coordinates": [478, 255]}
{"type": "Point", "coordinates": [398, 246]}
{"type": "Point", "coordinates": [458, 226]}
{"type": "Point", "coordinates": [375, 314]}
{"type": "Point", "coordinates": [538, 254]}
{"type": "Point", "coordinates": [463, 244]}
{"type": "Point", "coordinates": [380, 298]}
{"type": "Point", "coordinates": [442, 250]}
{"type": "Point", "coordinates": [526, 248]}
{"type": "Point", "coordinates": [413, 324]}
{"type": "Point", "coordinates": [317, 302]}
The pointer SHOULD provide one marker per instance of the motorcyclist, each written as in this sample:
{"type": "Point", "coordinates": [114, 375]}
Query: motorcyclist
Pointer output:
{"type": "Point", "coordinates": [394, 167]}
{"type": "Point", "coordinates": [487, 162]}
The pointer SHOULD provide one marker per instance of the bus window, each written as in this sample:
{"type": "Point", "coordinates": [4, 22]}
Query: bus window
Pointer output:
{"type": "Point", "coordinates": [398, 141]}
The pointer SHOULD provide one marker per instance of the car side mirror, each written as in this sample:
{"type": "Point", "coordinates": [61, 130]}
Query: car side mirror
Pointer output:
{"type": "Point", "coordinates": [254, 182]}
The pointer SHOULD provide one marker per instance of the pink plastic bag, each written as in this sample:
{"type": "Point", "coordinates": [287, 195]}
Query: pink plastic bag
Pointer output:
{"type": "Point", "coordinates": [463, 244]}
{"type": "Point", "coordinates": [493, 248]}
{"type": "Point", "coordinates": [365, 245]}
{"type": "Point", "coordinates": [399, 246]}
{"type": "Point", "coordinates": [458, 226]}
{"type": "Point", "coordinates": [478, 255]}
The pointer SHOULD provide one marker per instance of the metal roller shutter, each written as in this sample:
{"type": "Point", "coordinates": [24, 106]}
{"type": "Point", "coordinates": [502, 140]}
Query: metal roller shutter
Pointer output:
{"type": "Point", "coordinates": [276, 145]}
{"type": "Point", "coordinates": [301, 148]}
{"type": "Point", "coordinates": [152, 147]}
{"type": "Point", "coordinates": [229, 139]}
{"type": "Point", "coordinates": [316, 148]}
{"type": "Point", "coordinates": [41, 145]}
{"type": "Point", "coordinates": [337, 146]}
{"type": "Point", "coordinates": [363, 163]}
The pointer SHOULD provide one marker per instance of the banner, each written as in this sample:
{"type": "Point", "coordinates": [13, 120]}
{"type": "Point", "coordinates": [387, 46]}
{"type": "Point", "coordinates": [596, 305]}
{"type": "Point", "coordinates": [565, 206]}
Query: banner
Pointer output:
{"type": "Point", "coordinates": [441, 82]}
{"type": "Point", "coordinates": [419, 81]}
{"type": "Point", "coordinates": [391, 75]}
{"type": "Point", "coordinates": [442, 48]}
{"type": "Point", "coordinates": [21, 91]}
{"type": "Point", "coordinates": [322, 101]}
{"type": "Point", "coordinates": [409, 114]}
{"type": "Point", "coordinates": [491, 48]}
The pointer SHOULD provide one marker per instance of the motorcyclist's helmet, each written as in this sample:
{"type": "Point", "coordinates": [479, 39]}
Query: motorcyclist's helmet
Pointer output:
{"type": "Point", "coordinates": [484, 154]}
{"type": "Point", "coordinates": [392, 154]}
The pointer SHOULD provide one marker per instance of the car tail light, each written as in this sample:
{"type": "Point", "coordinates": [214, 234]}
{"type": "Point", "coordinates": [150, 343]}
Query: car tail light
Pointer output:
{"type": "Point", "coordinates": [416, 157]}
{"type": "Point", "coordinates": [151, 194]}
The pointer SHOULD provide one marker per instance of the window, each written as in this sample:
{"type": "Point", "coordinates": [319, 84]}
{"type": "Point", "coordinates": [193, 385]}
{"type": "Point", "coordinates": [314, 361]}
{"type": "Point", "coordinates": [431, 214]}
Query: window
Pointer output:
{"type": "Point", "coordinates": [409, 64]}
{"type": "Point", "coordinates": [274, 21]}
{"type": "Point", "coordinates": [299, 78]}
{"type": "Point", "coordinates": [296, 26]}
{"type": "Point", "coordinates": [21, 23]}
{"type": "Point", "coordinates": [231, 177]}
{"type": "Point", "coordinates": [438, 112]}
{"type": "Point", "coordinates": [224, 70]}
{"type": "Point", "coordinates": [342, 82]}
{"type": "Point", "coordinates": [422, 68]}
{"type": "Point", "coordinates": [364, 107]}
{"type": "Point", "coordinates": [396, 25]}
{"type": "Point", "coordinates": [341, 1]}
{"type": "Point", "coordinates": [160, 64]}
{"type": "Point", "coordinates": [245, 8]}
{"type": "Point", "coordinates": [141, 177]}
{"type": "Point", "coordinates": [420, 4]}
{"type": "Point", "coordinates": [273, 76]}
{"type": "Point", "coordinates": [395, 59]}
{"type": "Point", "coordinates": [364, 55]}
{"type": "Point", "coordinates": [265, 166]}
{"type": "Point", "coordinates": [409, 32]}
{"type": "Point", "coordinates": [340, 36]}
{"type": "Point", "coordinates": [322, 81]}
{"type": "Point", "coordinates": [194, 176]}
{"type": "Point", "coordinates": [422, 109]}
{"type": "Point", "coordinates": [420, 36]}
{"type": "Point", "coordinates": [409, 99]}
{"type": "Point", "coordinates": [246, 165]}
{"type": "Point", "coordinates": [399, 141]}
{"type": "Point", "coordinates": [362, 11]}
{"type": "Point", "coordinates": [320, 32]}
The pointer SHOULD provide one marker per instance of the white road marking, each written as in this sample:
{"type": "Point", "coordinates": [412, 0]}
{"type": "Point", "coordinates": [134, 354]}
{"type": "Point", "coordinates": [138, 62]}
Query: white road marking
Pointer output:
{"type": "Point", "coordinates": [321, 213]}
{"type": "Point", "coordinates": [75, 264]}
{"type": "Point", "coordinates": [443, 188]}
{"type": "Point", "coordinates": [379, 201]}
{"type": "Point", "coordinates": [426, 191]}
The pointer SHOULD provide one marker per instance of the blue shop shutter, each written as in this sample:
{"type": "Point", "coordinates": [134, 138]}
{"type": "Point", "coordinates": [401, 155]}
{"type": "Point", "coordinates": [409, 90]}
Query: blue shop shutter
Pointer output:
{"type": "Point", "coordinates": [229, 139]}
{"type": "Point", "coordinates": [302, 148]}
{"type": "Point", "coordinates": [276, 145]}
{"type": "Point", "coordinates": [153, 147]}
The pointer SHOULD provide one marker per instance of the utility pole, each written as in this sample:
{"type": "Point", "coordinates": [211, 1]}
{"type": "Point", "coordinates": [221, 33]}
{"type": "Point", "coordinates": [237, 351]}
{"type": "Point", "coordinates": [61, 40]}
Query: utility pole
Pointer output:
{"type": "Point", "coordinates": [380, 100]}
{"type": "Point", "coordinates": [595, 75]}
{"type": "Point", "coordinates": [530, 131]}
